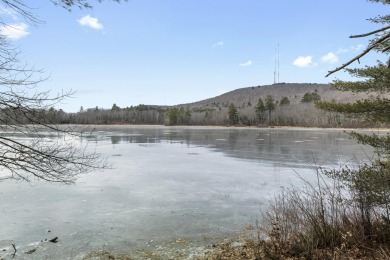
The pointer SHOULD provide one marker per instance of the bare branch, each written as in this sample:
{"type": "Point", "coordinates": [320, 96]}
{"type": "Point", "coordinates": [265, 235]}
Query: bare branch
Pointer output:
{"type": "Point", "coordinates": [370, 33]}
{"type": "Point", "coordinates": [369, 48]}
{"type": "Point", "coordinates": [30, 144]}
{"type": "Point", "coordinates": [24, 10]}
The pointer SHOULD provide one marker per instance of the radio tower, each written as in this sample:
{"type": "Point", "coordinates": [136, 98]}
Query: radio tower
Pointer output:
{"type": "Point", "coordinates": [277, 66]}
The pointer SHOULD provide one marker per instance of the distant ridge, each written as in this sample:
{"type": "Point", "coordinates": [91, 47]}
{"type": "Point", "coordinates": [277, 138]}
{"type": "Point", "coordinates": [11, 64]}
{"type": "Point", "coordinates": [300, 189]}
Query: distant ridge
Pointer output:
{"type": "Point", "coordinates": [294, 91]}
{"type": "Point", "coordinates": [293, 105]}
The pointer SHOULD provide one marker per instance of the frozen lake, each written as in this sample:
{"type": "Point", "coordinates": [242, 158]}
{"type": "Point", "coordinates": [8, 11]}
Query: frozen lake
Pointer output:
{"type": "Point", "coordinates": [168, 185]}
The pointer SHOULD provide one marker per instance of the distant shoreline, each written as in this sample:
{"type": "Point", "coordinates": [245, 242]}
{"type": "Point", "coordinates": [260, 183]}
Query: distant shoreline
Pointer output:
{"type": "Point", "coordinates": [237, 127]}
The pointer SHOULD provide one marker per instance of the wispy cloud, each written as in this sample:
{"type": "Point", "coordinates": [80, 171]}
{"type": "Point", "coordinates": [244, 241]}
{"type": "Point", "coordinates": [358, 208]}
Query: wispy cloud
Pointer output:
{"type": "Point", "coordinates": [14, 31]}
{"type": "Point", "coordinates": [9, 12]}
{"type": "Point", "coordinates": [342, 50]}
{"type": "Point", "coordinates": [358, 47]}
{"type": "Point", "coordinates": [303, 61]}
{"type": "Point", "coordinates": [330, 57]}
{"type": "Point", "coordinates": [91, 22]}
{"type": "Point", "coordinates": [246, 64]}
{"type": "Point", "coordinates": [218, 44]}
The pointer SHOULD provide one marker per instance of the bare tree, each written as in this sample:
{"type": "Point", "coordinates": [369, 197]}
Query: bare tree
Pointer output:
{"type": "Point", "coordinates": [26, 11]}
{"type": "Point", "coordinates": [30, 146]}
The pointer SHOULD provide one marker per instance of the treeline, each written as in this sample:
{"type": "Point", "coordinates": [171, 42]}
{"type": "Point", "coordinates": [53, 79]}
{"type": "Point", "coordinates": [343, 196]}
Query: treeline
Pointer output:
{"type": "Point", "coordinates": [278, 105]}
{"type": "Point", "coordinates": [267, 112]}
{"type": "Point", "coordinates": [141, 114]}
{"type": "Point", "coordinates": [272, 112]}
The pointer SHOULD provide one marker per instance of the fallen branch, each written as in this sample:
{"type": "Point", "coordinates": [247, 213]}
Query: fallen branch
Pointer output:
{"type": "Point", "coordinates": [14, 254]}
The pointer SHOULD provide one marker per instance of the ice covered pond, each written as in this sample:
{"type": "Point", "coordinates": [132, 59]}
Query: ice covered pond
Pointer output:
{"type": "Point", "coordinates": [167, 184]}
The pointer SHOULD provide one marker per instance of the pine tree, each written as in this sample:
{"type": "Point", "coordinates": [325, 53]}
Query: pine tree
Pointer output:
{"type": "Point", "coordinates": [233, 114]}
{"type": "Point", "coordinates": [173, 115]}
{"type": "Point", "coordinates": [373, 79]}
{"type": "Point", "coordinates": [270, 106]}
{"type": "Point", "coordinates": [115, 107]}
{"type": "Point", "coordinates": [370, 183]}
{"type": "Point", "coordinates": [310, 97]}
{"type": "Point", "coordinates": [260, 110]}
{"type": "Point", "coordinates": [285, 101]}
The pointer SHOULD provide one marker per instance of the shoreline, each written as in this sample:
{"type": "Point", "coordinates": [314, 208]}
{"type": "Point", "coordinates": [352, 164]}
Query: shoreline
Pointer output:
{"type": "Point", "coordinates": [234, 127]}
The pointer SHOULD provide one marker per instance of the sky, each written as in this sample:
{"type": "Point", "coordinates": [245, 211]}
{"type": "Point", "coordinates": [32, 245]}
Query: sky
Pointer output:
{"type": "Point", "coordinates": [168, 52]}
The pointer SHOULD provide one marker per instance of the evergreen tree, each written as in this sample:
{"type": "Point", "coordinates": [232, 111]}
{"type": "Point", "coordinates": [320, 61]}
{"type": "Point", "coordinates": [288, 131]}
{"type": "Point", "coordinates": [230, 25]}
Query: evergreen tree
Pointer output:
{"type": "Point", "coordinates": [233, 114]}
{"type": "Point", "coordinates": [373, 79]}
{"type": "Point", "coordinates": [183, 116]}
{"type": "Point", "coordinates": [187, 116]}
{"type": "Point", "coordinates": [310, 97]}
{"type": "Point", "coordinates": [284, 101]}
{"type": "Point", "coordinates": [173, 115]}
{"type": "Point", "coordinates": [115, 107]}
{"type": "Point", "coordinates": [270, 106]}
{"type": "Point", "coordinates": [260, 110]}
{"type": "Point", "coordinates": [370, 183]}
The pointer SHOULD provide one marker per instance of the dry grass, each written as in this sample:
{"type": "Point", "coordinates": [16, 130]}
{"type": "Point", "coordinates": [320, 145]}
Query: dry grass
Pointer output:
{"type": "Point", "coordinates": [324, 220]}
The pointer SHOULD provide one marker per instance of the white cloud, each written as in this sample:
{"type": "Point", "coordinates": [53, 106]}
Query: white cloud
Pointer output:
{"type": "Point", "coordinates": [14, 31]}
{"type": "Point", "coordinates": [358, 47]}
{"type": "Point", "coordinates": [330, 58]}
{"type": "Point", "coordinates": [303, 61]}
{"type": "Point", "coordinates": [246, 64]}
{"type": "Point", "coordinates": [342, 50]}
{"type": "Point", "coordinates": [218, 44]}
{"type": "Point", "coordinates": [90, 22]}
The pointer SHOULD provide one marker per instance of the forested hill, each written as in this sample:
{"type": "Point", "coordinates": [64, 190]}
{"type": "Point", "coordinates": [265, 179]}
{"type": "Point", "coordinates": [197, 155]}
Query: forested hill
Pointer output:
{"type": "Point", "coordinates": [293, 91]}
{"type": "Point", "coordinates": [293, 105]}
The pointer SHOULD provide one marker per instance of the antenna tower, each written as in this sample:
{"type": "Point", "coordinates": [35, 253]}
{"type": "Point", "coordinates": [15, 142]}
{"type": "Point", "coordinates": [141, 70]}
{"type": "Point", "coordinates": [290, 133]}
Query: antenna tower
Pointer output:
{"type": "Point", "coordinates": [277, 66]}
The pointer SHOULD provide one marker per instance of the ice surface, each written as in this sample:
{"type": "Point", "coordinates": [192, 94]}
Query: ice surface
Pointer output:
{"type": "Point", "coordinates": [168, 184]}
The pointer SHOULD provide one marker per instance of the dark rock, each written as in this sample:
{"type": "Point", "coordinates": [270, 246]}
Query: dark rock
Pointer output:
{"type": "Point", "coordinates": [54, 240]}
{"type": "Point", "coordinates": [31, 251]}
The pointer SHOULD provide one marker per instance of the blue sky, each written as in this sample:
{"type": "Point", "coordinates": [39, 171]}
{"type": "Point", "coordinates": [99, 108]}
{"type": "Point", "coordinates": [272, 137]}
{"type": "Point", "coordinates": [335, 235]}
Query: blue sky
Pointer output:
{"type": "Point", "coordinates": [167, 52]}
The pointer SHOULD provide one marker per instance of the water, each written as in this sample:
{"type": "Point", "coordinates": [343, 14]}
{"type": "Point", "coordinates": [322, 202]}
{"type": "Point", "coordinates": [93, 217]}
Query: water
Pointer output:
{"type": "Point", "coordinates": [169, 187]}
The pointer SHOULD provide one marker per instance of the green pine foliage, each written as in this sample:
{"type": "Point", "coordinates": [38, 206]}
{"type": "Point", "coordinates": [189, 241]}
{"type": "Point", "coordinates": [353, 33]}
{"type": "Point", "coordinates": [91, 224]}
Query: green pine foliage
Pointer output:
{"type": "Point", "coordinates": [370, 182]}
{"type": "Point", "coordinates": [172, 116]}
{"type": "Point", "coordinates": [372, 110]}
{"type": "Point", "coordinates": [233, 115]}
{"type": "Point", "coordinates": [179, 116]}
{"type": "Point", "coordinates": [115, 107]}
{"type": "Point", "coordinates": [284, 101]}
{"type": "Point", "coordinates": [310, 97]}
{"type": "Point", "coordinates": [260, 110]}
{"type": "Point", "coordinates": [270, 106]}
